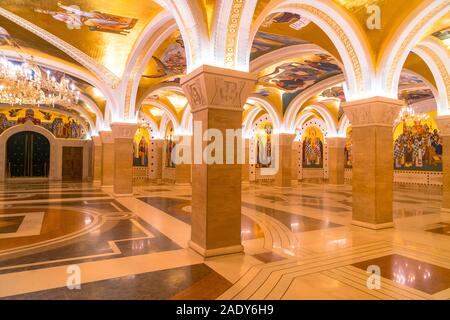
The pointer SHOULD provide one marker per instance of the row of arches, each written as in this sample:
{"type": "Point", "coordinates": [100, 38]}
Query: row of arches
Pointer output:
{"type": "Point", "coordinates": [226, 40]}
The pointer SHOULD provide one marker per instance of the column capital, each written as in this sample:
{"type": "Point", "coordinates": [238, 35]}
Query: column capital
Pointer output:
{"type": "Point", "coordinates": [97, 141]}
{"type": "Point", "coordinates": [336, 142]}
{"type": "Point", "coordinates": [210, 87]}
{"type": "Point", "coordinates": [123, 130]}
{"type": "Point", "coordinates": [375, 111]}
{"type": "Point", "coordinates": [106, 136]}
{"type": "Point", "coordinates": [443, 123]}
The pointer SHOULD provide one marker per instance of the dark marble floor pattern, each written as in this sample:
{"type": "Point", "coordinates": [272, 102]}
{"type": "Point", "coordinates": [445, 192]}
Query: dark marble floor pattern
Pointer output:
{"type": "Point", "coordinates": [295, 222]}
{"type": "Point", "coordinates": [10, 224]}
{"type": "Point", "coordinates": [410, 272]}
{"type": "Point", "coordinates": [174, 207]}
{"type": "Point", "coordinates": [118, 228]}
{"type": "Point", "coordinates": [441, 228]}
{"type": "Point", "coordinates": [191, 283]}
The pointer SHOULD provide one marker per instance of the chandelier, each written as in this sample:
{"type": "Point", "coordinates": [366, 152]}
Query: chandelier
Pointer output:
{"type": "Point", "coordinates": [23, 82]}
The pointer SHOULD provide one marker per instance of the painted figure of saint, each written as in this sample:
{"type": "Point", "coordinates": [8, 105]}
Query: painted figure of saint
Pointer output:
{"type": "Point", "coordinates": [75, 18]}
{"type": "Point", "coordinates": [312, 150]}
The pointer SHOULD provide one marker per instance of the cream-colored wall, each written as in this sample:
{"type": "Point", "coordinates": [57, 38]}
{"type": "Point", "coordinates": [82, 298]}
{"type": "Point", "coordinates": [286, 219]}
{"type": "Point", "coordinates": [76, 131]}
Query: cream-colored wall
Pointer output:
{"type": "Point", "coordinates": [56, 151]}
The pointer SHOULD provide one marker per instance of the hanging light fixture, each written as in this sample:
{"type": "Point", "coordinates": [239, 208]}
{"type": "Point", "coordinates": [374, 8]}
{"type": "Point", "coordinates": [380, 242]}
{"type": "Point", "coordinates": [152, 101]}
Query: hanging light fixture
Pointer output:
{"type": "Point", "coordinates": [23, 82]}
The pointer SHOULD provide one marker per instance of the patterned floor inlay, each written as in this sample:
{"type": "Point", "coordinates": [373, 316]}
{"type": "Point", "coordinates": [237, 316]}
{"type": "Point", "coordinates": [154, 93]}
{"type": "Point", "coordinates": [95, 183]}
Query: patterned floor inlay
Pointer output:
{"type": "Point", "coordinates": [195, 282]}
{"type": "Point", "coordinates": [295, 222]}
{"type": "Point", "coordinates": [10, 224]}
{"type": "Point", "coordinates": [74, 236]}
{"type": "Point", "coordinates": [181, 210]}
{"type": "Point", "coordinates": [441, 228]}
{"type": "Point", "coordinates": [410, 272]}
{"type": "Point", "coordinates": [267, 257]}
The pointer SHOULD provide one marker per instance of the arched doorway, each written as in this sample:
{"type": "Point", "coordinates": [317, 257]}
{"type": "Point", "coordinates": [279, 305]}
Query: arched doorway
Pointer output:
{"type": "Point", "coordinates": [28, 155]}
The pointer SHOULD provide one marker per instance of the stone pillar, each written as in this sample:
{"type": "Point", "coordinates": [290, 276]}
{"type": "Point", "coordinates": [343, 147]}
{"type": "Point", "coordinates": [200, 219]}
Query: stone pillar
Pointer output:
{"type": "Point", "coordinates": [97, 159]}
{"type": "Point", "coordinates": [294, 163]}
{"type": "Point", "coordinates": [245, 176]}
{"type": "Point", "coordinates": [107, 178]}
{"type": "Point", "coordinates": [282, 149]}
{"type": "Point", "coordinates": [372, 123]}
{"type": "Point", "coordinates": [443, 123]}
{"type": "Point", "coordinates": [216, 97]}
{"type": "Point", "coordinates": [336, 160]}
{"type": "Point", "coordinates": [123, 134]}
{"type": "Point", "coordinates": [156, 161]}
{"type": "Point", "coordinates": [183, 170]}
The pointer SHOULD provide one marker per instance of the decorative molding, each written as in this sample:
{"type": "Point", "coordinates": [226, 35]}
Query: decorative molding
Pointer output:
{"type": "Point", "coordinates": [88, 62]}
{"type": "Point", "coordinates": [233, 32]}
{"type": "Point", "coordinates": [406, 43]}
{"type": "Point", "coordinates": [123, 130]}
{"type": "Point", "coordinates": [377, 111]}
{"type": "Point", "coordinates": [216, 88]}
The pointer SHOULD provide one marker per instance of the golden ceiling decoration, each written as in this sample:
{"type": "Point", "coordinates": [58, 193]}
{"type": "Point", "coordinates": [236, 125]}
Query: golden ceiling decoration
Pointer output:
{"type": "Point", "coordinates": [106, 30]}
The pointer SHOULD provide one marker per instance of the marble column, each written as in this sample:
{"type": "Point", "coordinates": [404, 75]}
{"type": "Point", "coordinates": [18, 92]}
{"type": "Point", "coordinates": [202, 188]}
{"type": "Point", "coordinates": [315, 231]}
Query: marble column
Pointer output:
{"type": "Point", "coordinates": [156, 161]}
{"type": "Point", "coordinates": [107, 178]}
{"type": "Point", "coordinates": [443, 123]}
{"type": "Point", "coordinates": [282, 150]}
{"type": "Point", "coordinates": [245, 176]}
{"type": "Point", "coordinates": [97, 160]}
{"type": "Point", "coordinates": [183, 170]}
{"type": "Point", "coordinates": [372, 123]}
{"type": "Point", "coordinates": [216, 97]}
{"type": "Point", "coordinates": [336, 160]}
{"type": "Point", "coordinates": [123, 134]}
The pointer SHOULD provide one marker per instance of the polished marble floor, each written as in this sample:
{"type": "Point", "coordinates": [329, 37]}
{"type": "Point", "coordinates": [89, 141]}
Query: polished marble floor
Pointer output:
{"type": "Point", "coordinates": [299, 244]}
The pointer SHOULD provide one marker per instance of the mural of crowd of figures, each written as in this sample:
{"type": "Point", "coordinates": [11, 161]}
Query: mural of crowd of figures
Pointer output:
{"type": "Point", "coordinates": [170, 147]}
{"type": "Point", "coordinates": [264, 146]}
{"type": "Point", "coordinates": [348, 151]}
{"type": "Point", "coordinates": [62, 126]}
{"type": "Point", "coordinates": [417, 145]}
{"type": "Point", "coordinates": [312, 148]}
{"type": "Point", "coordinates": [141, 145]}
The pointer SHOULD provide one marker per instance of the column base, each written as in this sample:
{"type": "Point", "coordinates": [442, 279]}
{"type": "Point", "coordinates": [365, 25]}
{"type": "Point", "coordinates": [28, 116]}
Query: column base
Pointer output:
{"type": "Point", "coordinates": [208, 253]}
{"type": "Point", "coordinates": [183, 184]}
{"type": "Point", "coordinates": [246, 183]}
{"type": "Point", "coordinates": [107, 188]}
{"type": "Point", "coordinates": [97, 182]}
{"type": "Point", "coordinates": [445, 210]}
{"type": "Point", "coordinates": [122, 195]}
{"type": "Point", "coordinates": [373, 226]}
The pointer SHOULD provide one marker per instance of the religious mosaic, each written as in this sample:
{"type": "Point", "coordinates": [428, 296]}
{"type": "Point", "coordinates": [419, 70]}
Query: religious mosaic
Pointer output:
{"type": "Point", "coordinates": [312, 148]}
{"type": "Point", "coordinates": [170, 147]}
{"type": "Point", "coordinates": [264, 146]}
{"type": "Point", "coordinates": [60, 125]}
{"type": "Point", "coordinates": [75, 18]}
{"type": "Point", "coordinates": [417, 144]}
{"type": "Point", "coordinates": [266, 42]}
{"type": "Point", "coordinates": [141, 143]}
{"type": "Point", "coordinates": [415, 96]}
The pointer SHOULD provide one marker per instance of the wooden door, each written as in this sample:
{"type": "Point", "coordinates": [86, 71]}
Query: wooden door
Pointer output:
{"type": "Point", "coordinates": [72, 165]}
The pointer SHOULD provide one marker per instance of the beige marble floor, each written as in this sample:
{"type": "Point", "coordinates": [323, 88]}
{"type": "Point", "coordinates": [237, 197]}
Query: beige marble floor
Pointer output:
{"type": "Point", "coordinates": [300, 245]}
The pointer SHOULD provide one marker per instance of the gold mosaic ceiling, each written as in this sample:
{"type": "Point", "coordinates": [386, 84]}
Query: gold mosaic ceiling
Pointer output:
{"type": "Point", "coordinates": [103, 29]}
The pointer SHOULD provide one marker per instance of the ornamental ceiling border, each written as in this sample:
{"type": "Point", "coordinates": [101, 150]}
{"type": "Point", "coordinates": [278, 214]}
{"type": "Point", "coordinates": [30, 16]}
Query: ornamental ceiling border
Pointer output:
{"type": "Point", "coordinates": [232, 32]}
{"type": "Point", "coordinates": [356, 65]}
{"type": "Point", "coordinates": [88, 62]}
{"type": "Point", "coordinates": [441, 67]}
{"type": "Point", "coordinates": [406, 43]}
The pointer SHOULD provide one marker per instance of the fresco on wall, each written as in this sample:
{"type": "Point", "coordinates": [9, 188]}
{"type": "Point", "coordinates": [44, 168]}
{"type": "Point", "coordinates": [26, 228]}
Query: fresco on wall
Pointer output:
{"type": "Point", "coordinates": [141, 143]}
{"type": "Point", "coordinates": [348, 149]}
{"type": "Point", "coordinates": [417, 145]}
{"type": "Point", "coordinates": [266, 42]}
{"type": "Point", "coordinates": [415, 96]}
{"type": "Point", "coordinates": [312, 148]}
{"type": "Point", "coordinates": [75, 18]}
{"type": "Point", "coordinates": [443, 34]}
{"type": "Point", "coordinates": [170, 147]}
{"type": "Point", "coordinates": [334, 92]}
{"type": "Point", "coordinates": [62, 126]}
{"type": "Point", "coordinates": [171, 62]}
{"type": "Point", "coordinates": [264, 146]}
{"type": "Point", "coordinates": [293, 20]}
